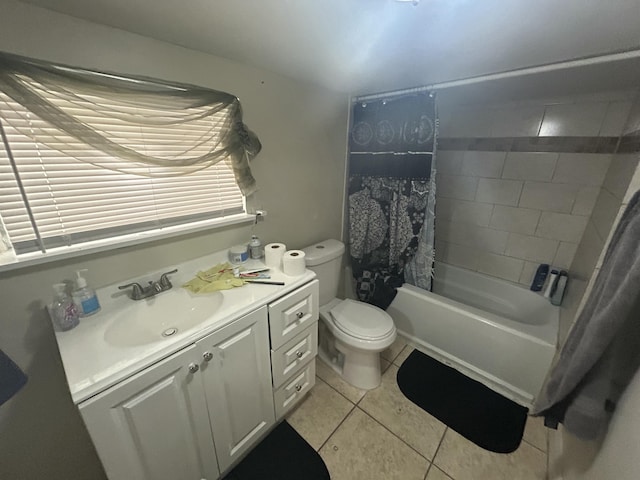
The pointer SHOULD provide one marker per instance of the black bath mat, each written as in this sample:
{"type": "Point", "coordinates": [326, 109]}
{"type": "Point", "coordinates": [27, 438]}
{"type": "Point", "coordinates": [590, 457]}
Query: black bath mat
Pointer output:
{"type": "Point", "coordinates": [476, 412]}
{"type": "Point", "coordinates": [282, 455]}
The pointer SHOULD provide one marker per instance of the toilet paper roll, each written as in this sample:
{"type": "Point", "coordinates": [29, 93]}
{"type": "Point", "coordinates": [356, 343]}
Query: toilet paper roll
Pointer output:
{"type": "Point", "coordinates": [273, 253]}
{"type": "Point", "coordinates": [293, 263]}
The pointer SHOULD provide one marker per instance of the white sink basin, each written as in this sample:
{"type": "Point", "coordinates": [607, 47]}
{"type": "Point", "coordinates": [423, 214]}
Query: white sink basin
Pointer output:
{"type": "Point", "coordinates": [161, 317]}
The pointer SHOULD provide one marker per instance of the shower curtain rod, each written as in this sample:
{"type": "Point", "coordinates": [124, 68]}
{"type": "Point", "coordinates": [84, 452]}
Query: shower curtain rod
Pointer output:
{"type": "Point", "coordinates": [583, 62]}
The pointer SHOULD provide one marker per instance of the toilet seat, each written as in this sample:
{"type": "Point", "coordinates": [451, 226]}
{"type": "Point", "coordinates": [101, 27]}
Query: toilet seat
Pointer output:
{"type": "Point", "coordinates": [361, 320]}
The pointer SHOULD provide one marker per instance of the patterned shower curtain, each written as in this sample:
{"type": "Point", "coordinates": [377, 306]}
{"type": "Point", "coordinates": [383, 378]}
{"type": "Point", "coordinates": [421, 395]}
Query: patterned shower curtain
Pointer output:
{"type": "Point", "coordinates": [392, 195]}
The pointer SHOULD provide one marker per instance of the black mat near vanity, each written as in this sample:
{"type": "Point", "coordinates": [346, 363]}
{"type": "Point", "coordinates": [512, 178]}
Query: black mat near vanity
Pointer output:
{"type": "Point", "coordinates": [476, 412]}
{"type": "Point", "coordinates": [282, 455]}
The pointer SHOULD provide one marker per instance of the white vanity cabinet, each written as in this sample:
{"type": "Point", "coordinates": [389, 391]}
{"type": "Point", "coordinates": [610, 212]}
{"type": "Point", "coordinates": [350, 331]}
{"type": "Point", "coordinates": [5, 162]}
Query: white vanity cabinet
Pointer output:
{"type": "Point", "coordinates": [195, 413]}
{"type": "Point", "coordinates": [150, 426]}
{"type": "Point", "coordinates": [237, 378]}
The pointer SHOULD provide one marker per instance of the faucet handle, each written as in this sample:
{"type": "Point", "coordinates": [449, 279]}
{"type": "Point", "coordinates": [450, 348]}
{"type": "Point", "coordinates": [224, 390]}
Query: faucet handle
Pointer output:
{"type": "Point", "coordinates": [164, 279]}
{"type": "Point", "coordinates": [136, 292]}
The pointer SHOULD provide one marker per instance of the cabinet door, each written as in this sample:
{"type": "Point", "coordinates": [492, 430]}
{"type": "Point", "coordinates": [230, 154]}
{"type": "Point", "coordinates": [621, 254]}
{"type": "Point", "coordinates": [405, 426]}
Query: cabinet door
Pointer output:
{"type": "Point", "coordinates": [237, 376]}
{"type": "Point", "coordinates": [150, 426]}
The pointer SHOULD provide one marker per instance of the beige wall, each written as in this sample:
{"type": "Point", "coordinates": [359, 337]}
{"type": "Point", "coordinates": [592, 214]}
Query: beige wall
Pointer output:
{"type": "Point", "coordinates": [300, 173]}
{"type": "Point", "coordinates": [503, 213]}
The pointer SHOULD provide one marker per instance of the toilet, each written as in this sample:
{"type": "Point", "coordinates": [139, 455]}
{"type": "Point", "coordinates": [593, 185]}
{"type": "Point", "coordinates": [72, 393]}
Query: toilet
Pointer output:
{"type": "Point", "coordinates": [351, 333]}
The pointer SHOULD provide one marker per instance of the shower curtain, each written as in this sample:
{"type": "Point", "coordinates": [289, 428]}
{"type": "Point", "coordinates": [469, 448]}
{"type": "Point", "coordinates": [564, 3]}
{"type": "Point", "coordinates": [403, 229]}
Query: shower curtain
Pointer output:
{"type": "Point", "coordinates": [392, 195]}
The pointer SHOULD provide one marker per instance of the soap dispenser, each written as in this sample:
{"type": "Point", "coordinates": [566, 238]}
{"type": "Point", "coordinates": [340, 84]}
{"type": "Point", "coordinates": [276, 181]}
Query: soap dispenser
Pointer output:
{"type": "Point", "coordinates": [63, 311]}
{"type": "Point", "coordinates": [84, 297]}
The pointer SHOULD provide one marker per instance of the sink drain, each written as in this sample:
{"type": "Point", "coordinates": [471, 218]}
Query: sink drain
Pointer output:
{"type": "Point", "coordinates": [169, 331]}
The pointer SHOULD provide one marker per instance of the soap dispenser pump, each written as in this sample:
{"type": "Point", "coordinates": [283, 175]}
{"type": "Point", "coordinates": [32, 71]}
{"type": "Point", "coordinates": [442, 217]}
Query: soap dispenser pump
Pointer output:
{"type": "Point", "coordinates": [85, 297]}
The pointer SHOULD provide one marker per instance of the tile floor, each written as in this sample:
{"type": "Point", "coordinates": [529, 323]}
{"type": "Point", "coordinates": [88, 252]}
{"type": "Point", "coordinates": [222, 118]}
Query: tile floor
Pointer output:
{"type": "Point", "coordinates": [380, 434]}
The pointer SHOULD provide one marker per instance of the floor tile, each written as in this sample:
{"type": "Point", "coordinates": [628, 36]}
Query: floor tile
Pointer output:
{"type": "Point", "coordinates": [384, 365]}
{"type": "Point", "coordinates": [327, 374]}
{"type": "Point", "coordinates": [436, 474]}
{"type": "Point", "coordinates": [396, 347]}
{"type": "Point", "coordinates": [535, 433]}
{"type": "Point", "coordinates": [390, 407]}
{"type": "Point", "coordinates": [363, 449]}
{"type": "Point", "coordinates": [319, 414]}
{"type": "Point", "coordinates": [463, 460]}
{"type": "Point", "coordinates": [402, 356]}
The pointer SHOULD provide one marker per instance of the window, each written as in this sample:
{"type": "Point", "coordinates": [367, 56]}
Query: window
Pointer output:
{"type": "Point", "coordinates": [58, 190]}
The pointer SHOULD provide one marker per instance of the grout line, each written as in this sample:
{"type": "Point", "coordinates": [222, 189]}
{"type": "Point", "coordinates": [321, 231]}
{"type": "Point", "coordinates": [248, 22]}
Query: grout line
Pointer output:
{"type": "Point", "coordinates": [336, 429]}
{"type": "Point", "coordinates": [534, 446]}
{"type": "Point", "coordinates": [339, 392]}
{"type": "Point", "coordinates": [433, 461]}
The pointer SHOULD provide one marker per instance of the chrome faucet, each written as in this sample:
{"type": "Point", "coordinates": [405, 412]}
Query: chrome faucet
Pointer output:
{"type": "Point", "coordinates": [138, 292]}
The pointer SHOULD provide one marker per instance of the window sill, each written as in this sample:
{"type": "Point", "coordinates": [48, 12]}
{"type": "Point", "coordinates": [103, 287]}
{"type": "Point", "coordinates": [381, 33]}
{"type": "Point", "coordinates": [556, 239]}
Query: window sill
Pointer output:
{"type": "Point", "coordinates": [9, 261]}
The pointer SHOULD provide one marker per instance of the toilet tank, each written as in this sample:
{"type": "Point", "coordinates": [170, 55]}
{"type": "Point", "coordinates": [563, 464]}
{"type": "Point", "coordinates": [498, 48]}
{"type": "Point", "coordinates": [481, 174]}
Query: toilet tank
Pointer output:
{"type": "Point", "coordinates": [325, 259]}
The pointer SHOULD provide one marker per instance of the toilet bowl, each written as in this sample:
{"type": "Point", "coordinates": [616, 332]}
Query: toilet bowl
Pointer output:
{"type": "Point", "coordinates": [351, 333]}
{"type": "Point", "coordinates": [351, 338]}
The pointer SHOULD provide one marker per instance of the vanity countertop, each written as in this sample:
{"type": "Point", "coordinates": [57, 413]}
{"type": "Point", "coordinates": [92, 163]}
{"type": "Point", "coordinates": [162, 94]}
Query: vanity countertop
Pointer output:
{"type": "Point", "coordinates": [92, 363]}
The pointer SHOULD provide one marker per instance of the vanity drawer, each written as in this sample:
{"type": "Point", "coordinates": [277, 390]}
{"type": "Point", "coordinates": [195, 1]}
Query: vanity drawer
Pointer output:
{"type": "Point", "coordinates": [293, 354]}
{"type": "Point", "coordinates": [291, 392]}
{"type": "Point", "coordinates": [292, 313]}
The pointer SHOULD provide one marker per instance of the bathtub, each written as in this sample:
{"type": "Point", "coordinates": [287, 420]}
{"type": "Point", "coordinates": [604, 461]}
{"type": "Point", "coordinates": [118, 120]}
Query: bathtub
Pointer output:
{"type": "Point", "coordinates": [498, 333]}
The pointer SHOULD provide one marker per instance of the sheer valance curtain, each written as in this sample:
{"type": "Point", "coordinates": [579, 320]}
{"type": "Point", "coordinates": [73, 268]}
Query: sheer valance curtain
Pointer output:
{"type": "Point", "coordinates": [86, 155]}
{"type": "Point", "coordinates": [103, 111]}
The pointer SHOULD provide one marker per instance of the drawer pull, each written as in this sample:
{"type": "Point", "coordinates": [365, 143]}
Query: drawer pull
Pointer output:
{"type": "Point", "coordinates": [207, 356]}
{"type": "Point", "coordinates": [194, 367]}
{"type": "Point", "coordinates": [298, 387]}
{"type": "Point", "coordinates": [299, 354]}
{"type": "Point", "coordinates": [300, 314]}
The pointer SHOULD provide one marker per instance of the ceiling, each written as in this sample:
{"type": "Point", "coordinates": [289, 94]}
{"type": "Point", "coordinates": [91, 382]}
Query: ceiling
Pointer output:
{"type": "Point", "coordinates": [364, 46]}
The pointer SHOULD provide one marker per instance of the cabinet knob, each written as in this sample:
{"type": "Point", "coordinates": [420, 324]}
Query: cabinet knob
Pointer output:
{"type": "Point", "coordinates": [194, 367]}
{"type": "Point", "coordinates": [207, 356]}
{"type": "Point", "coordinates": [300, 314]}
{"type": "Point", "coordinates": [298, 387]}
{"type": "Point", "coordinates": [299, 354]}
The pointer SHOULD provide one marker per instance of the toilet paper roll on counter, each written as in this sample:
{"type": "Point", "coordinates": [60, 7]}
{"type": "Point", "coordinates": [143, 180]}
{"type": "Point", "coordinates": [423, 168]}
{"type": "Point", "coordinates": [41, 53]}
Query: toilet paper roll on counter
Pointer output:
{"type": "Point", "coordinates": [273, 253]}
{"type": "Point", "coordinates": [293, 263]}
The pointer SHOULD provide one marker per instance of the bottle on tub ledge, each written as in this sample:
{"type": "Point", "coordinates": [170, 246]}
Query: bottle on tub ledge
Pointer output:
{"type": "Point", "coordinates": [85, 297]}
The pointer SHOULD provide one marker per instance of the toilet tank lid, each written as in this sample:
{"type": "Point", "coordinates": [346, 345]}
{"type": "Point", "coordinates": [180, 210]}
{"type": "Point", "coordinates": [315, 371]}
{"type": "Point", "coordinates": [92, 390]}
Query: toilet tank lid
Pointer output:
{"type": "Point", "coordinates": [322, 252]}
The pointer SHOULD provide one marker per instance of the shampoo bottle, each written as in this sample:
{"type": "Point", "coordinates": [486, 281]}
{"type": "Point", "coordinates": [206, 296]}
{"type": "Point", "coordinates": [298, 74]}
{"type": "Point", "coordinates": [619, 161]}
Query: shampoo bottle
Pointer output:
{"type": "Point", "coordinates": [63, 311]}
{"type": "Point", "coordinates": [84, 297]}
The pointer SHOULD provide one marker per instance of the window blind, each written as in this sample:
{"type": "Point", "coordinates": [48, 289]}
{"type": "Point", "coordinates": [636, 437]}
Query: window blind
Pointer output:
{"type": "Point", "coordinates": [73, 199]}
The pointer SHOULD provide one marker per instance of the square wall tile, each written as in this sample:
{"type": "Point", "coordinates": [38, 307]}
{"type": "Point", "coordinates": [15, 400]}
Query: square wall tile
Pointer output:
{"type": "Point", "coordinates": [460, 256]}
{"type": "Point", "coordinates": [507, 268]}
{"type": "Point", "coordinates": [452, 186]}
{"type": "Point", "coordinates": [464, 211]}
{"type": "Point", "coordinates": [604, 212]}
{"type": "Point", "coordinates": [548, 196]}
{"type": "Point", "coordinates": [468, 122]}
{"type": "Point", "coordinates": [573, 119]}
{"type": "Point", "coordinates": [514, 219]}
{"type": "Point", "coordinates": [528, 272]}
{"type": "Point", "coordinates": [561, 226]}
{"type": "Point", "coordinates": [534, 249]}
{"type": "Point", "coordinates": [449, 162]}
{"type": "Point", "coordinates": [585, 200]}
{"type": "Point", "coordinates": [615, 119]}
{"type": "Point", "coordinates": [481, 238]}
{"type": "Point", "coordinates": [582, 168]}
{"type": "Point", "coordinates": [536, 166]}
{"type": "Point", "coordinates": [483, 164]}
{"type": "Point", "coordinates": [502, 192]}
{"type": "Point", "coordinates": [565, 254]}
{"type": "Point", "coordinates": [516, 121]}
{"type": "Point", "coordinates": [587, 254]}
{"type": "Point", "coordinates": [620, 173]}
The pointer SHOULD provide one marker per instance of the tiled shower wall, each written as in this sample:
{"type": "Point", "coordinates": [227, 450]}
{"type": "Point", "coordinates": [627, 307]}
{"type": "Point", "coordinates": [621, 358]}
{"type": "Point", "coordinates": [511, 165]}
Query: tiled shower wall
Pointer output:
{"type": "Point", "coordinates": [518, 183]}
